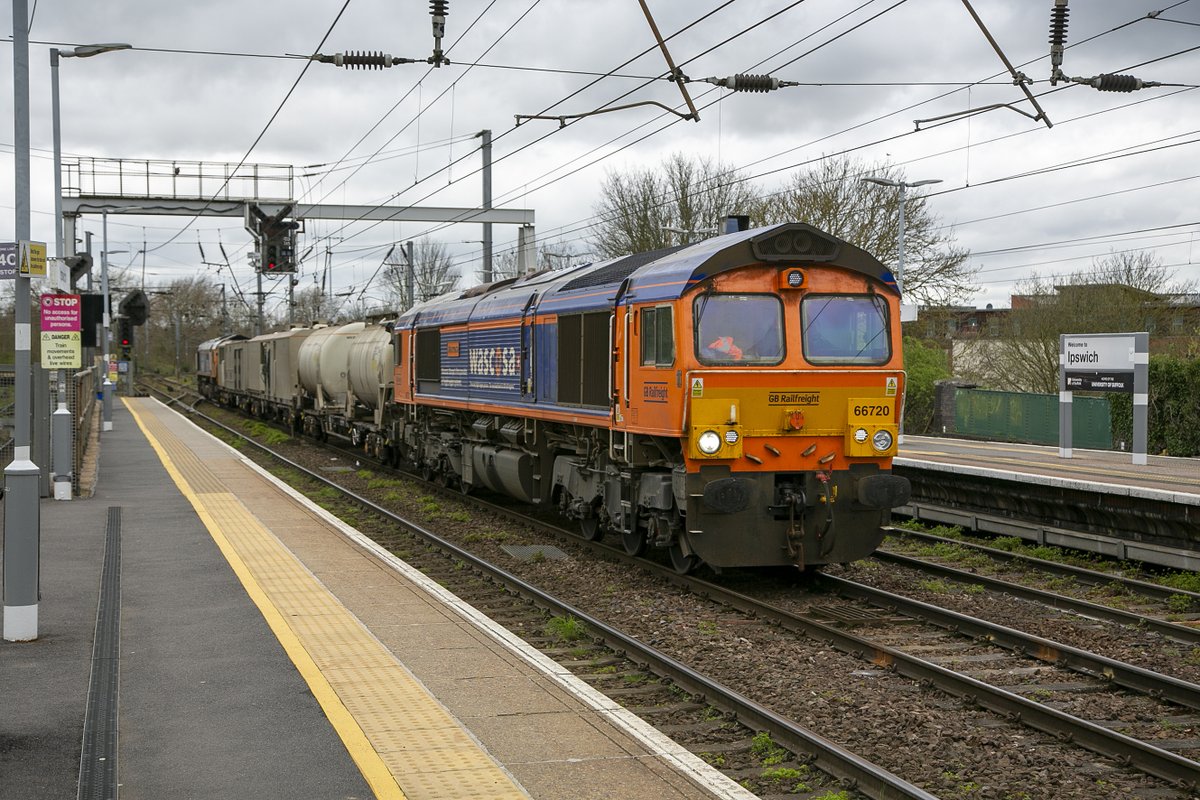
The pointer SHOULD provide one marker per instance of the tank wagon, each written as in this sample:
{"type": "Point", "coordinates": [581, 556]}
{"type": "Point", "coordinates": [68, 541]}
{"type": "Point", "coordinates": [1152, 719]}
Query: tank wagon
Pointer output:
{"type": "Point", "coordinates": [733, 402]}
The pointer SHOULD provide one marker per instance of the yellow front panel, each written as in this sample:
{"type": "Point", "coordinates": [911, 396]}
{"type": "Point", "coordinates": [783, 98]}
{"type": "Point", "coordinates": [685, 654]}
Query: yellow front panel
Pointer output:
{"type": "Point", "coordinates": [870, 414]}
{"type": "Point", "coordinates": [764, 411]}
{"type": "Point", "coordinates": [722, 416]}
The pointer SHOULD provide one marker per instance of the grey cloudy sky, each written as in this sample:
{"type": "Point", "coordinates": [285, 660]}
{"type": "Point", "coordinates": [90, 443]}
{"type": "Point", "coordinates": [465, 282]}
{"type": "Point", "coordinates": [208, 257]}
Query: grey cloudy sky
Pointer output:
{"type": "Point", "coordinates": [1117, 171]}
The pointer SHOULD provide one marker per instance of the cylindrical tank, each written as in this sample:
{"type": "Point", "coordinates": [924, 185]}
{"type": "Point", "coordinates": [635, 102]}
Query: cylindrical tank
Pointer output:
{"type": "Point", "coordinates": [325, 362]}
{"type": "Point", "coordinates": [370, 364]}
{"type": "Point", "coordinates": [310, 357]}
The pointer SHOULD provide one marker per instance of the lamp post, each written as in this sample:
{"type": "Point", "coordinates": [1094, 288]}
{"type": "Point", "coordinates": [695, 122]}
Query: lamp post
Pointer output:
{"type": "Point", "coordinates": [83, 51]}
{"type": "Point", "coordinates": [903, 186]}
{"type": "Point", "coordinates": [106, 320]}
{"type": "Point", "coordinates": [62, 417]}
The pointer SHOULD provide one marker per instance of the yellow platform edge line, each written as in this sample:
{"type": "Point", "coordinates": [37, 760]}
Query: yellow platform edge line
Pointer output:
{"type": "Point", "coordinates": [376, 773]}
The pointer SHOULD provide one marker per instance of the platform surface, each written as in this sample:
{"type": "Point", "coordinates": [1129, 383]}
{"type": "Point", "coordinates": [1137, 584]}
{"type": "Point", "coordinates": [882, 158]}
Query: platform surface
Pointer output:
{"type": "Point", "coordinates": [1175, 479]}
{"type": "Point", "coordinates": [268, 651]}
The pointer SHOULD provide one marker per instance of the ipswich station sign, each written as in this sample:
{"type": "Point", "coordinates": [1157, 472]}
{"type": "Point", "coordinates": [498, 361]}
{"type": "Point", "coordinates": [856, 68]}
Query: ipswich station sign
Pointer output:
{"type": "Point", "coordinates": [1104, 362]}
{"type": "Point", "coordinates": [1099, 363]}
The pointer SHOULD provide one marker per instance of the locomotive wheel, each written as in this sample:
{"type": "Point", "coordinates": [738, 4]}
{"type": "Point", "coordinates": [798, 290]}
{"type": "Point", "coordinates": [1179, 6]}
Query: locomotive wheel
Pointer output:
{"type": "Point", "coordinates": [590, 529]}
{"type": "Point", "coordinates": [683, 564]}
{"type": "Point", "coordinates": [634, 542]}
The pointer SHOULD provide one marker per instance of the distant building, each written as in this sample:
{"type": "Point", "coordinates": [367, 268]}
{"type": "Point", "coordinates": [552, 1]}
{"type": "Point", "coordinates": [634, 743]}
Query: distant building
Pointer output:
{"type": "Point", "coordinates": [987, 346]}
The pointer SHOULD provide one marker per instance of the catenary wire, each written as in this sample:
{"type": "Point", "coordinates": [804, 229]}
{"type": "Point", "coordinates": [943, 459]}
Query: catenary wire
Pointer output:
{"type": "Point", "coordinates": [266, 127]}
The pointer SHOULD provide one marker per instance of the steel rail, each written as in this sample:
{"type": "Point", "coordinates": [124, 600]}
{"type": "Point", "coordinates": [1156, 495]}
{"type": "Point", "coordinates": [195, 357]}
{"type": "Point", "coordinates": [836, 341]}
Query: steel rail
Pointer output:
{"type": "Point", "coordinates": [852, 770]}
{"type": "Point", "coordinates": [1181, 633]}
{"type": "Point", "coordinates": [1130, 676]}
{"type": "Point", "coordinates": [1091, 577]}
{"type": "Point", "coordinates": [1125, 749]}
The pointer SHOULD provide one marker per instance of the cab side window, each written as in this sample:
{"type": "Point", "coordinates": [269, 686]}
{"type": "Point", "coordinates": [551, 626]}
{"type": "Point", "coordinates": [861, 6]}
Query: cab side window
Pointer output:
{"type": "Point", "coordinates": [658, 337]}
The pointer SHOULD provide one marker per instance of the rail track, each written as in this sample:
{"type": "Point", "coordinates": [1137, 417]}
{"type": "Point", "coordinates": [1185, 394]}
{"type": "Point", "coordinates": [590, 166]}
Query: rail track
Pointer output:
{"type": "Point", "coordinates": [1168, 602]}
{"type": "Point", "coordinates": [898, 626]}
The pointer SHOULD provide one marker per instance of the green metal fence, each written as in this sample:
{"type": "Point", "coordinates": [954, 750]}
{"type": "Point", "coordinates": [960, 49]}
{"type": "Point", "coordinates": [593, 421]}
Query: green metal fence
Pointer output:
{"type": "Point", "coordinates": [1018, 417]}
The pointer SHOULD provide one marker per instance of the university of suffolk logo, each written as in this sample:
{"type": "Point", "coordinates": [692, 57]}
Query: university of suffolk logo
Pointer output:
{"type": "Point", "coordinates": [494, 361]}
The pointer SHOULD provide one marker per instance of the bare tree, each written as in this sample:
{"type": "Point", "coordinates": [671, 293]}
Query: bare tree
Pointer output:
{"type": "Point", "coordinates": [505, 265]}
{"type": "Point", "coordinates": [1137, 269]}
{"type": "Point", "coordinates": [684, 200]}
{"type": "Point", "coordinates": [434, 272]}
{"type": "Point", "coordinates": [831, 196]}
{"type": "Point", "coordinates": [310, 305]}
{"type": "Point", "coordinates": [183, 313]}
{"type": "Point", "coordinates": [1126, 291]}
{"type": "Point", "coordinates": [645, 210]}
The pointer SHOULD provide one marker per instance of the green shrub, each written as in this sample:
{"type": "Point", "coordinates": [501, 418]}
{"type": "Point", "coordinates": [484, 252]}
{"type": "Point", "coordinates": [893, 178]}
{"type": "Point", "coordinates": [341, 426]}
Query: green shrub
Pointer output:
{"type": "Point", "coordinates": [1173, 411]}
{"type": "Point", "coordinates": [924, 365]}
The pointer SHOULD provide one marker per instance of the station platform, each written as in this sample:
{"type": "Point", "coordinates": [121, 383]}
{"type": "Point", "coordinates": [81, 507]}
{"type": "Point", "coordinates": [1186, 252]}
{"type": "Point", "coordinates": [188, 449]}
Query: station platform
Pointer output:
{"type": "Point", "coordinates": [1173, 480]}
{"type": "Point", "coordinates": [267, 650]}
{"type": "Point", "coordinates": [1096, 500]}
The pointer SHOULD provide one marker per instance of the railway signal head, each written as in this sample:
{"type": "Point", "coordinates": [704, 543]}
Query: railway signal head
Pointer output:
{"type": "Point", "coordinates": [271, 257]}
{"type": "Point", "coordinates": [125, 332]}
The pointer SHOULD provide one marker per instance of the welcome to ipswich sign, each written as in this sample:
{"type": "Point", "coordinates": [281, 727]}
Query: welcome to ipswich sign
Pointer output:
{"type": "Point", "coordinates": [1104, 362]}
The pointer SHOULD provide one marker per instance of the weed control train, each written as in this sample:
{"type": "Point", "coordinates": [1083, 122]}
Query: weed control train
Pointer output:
{"type": "Point", "coordinates": [733, 401]}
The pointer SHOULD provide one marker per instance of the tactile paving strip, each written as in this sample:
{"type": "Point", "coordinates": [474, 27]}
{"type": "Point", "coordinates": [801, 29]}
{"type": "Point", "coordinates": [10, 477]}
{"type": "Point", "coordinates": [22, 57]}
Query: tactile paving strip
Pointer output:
{"type": "Point", "coordinates": [424, 750]}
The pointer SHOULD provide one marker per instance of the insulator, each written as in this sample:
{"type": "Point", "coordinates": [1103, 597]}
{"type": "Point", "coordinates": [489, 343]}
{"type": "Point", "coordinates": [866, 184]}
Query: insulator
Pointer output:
{"type": "Point", "coordinates": [1058, 23]}
{"type": "Point", "coordinates": [365, 60]}
{"type": "Point", "coordinates": [1116, 83]}
{"type": "Point", "coordinates": [439, 8]}
{"type": "Point", "coordinates": [752, 83]}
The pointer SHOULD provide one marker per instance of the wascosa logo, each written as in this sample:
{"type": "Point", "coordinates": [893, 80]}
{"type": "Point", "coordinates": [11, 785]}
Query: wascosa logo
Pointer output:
{"type": "Point", "coordinates": [494, 361]}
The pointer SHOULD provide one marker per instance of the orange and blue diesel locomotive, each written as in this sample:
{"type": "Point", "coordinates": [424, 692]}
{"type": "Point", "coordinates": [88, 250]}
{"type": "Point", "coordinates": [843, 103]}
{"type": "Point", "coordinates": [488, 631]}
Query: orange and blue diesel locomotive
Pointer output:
{"type": "Point", "coordinates": [734, 401]}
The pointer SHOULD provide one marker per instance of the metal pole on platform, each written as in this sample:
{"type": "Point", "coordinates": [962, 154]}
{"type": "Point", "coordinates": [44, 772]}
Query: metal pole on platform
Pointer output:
{"type": "Point", "coordinates": [106, 416]}
{"type": "Point", "coordinates": [486, 148]}
{"type": "Point", "coordinates": [22, 512]}
{"type": "Point", "coordinates": [62, 463]}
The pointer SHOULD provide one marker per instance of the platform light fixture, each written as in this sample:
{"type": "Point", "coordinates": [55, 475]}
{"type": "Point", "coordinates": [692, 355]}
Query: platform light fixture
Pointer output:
{"type": "Point", "coordinates": [903, 186]}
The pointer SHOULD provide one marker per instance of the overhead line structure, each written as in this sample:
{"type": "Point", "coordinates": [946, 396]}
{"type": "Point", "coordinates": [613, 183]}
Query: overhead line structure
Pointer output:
{"type": "Point", "coordinates": [895, 137]}
{"type": "Point", "coordinates": [844, 16]}
{"type": "Point", "coordinates": [709, 105]}
{"type": "Point", "coordinates": [568, 97]}
{"type": "Point", "coordinates": [267, 127]}
{"type": "Point", "coordinates": [902, 110]}
{"type": "Point", "coordinates": [407, 94]}
{"type": "Point", "coordinates": [586, 224]}
{"type": "Point", "coordinates": [540, 139]}
{"type": "Point", "coordinates": [485, 148]}
{"type": "Point", "coordinates": [551, 133]}
{"type": "Point", "coordinates": [1082, 42]}
{"type": "Point", "coordinates": [236, 209]}
{"type": "Point", "coordinates": [1061, 275]}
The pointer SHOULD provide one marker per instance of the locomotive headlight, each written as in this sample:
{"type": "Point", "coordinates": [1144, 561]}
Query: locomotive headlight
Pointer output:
{"type": "Point", "coordinates": [860, 435]}
{"type": "Point", "coordinates": [731, 437]}
{"type": "Point", "coordinates": [709, 442]}
{"type": "Point", "coordinates": [882, 440]}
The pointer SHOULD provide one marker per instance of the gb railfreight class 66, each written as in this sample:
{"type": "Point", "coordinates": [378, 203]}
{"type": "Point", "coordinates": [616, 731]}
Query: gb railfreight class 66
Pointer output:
{"type": "Point", "coordinates": [733, 401]}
